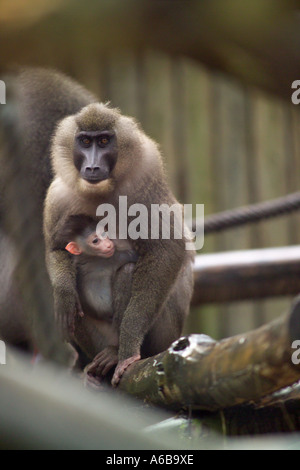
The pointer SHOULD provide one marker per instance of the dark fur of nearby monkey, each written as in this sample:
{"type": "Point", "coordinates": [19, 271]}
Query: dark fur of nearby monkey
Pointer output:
{"type": "Point", "coordinates": [99, 155]}
{"type": "Point", "coordinates": [36, 100]}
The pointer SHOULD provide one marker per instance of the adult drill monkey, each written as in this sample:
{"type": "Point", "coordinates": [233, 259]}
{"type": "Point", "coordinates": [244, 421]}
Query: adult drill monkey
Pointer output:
{"type": "Point", "coordinates": [99, 155]}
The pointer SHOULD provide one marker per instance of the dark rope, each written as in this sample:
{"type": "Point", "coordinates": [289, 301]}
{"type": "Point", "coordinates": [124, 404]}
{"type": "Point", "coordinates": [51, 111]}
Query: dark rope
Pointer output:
{"type": "Point", "coordinates": [252, 213]}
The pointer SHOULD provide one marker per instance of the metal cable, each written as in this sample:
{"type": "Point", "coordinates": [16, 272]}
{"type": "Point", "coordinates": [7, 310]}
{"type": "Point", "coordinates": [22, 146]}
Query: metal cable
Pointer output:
{"type": "Point", "coordinates": [252, 213]}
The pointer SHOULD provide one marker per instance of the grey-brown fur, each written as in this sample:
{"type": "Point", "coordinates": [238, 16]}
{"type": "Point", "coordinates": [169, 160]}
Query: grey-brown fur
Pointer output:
{"type": "Point", "coordinates": [37, 99]}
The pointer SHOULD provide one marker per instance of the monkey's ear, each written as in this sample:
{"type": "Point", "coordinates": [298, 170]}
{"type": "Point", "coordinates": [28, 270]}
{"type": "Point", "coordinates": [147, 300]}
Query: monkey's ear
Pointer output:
{"type": "Point", "coordinates": [73, 248]}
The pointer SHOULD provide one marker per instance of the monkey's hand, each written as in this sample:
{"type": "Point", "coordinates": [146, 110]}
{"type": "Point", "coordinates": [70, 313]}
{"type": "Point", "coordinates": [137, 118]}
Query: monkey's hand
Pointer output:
{"type": "Point", "coordinates": [122, 366]}
{"type": "Point", "coordinates": [66, 307]}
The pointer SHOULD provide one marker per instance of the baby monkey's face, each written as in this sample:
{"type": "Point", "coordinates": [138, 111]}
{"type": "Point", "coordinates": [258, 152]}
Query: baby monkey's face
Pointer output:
{"type": "Point", "coordinates": [91, 244]}
{"type": "Point", "coordinates": [102, 246]}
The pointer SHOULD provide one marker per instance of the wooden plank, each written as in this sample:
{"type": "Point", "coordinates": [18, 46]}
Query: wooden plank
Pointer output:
{"type": "Point", "coordinates": [122, 77]}
{"type": "Point", "coordinates": [270, 173]}
{"type": "Point", "coordinates": [158, 121]}
{"type": "Point", "coordinates": [229, 166]}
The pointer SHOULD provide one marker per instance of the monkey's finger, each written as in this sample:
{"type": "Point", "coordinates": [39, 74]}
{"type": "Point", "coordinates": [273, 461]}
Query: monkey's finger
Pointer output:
{"type": "Point", "coordinates": [102, 365]}
{"type": "Point", "coordinates": [122, 366]}
{"type": "Point", "coordinates": [116, 378]}
{"type": "Point", "coordinates": [79, 310]}
{"type": "Point", "coordinates": [99, 356]}
{"type": "Point", "coordinates": [105, 354]}
{"type": "Point", "coordinates": [108, 366]}
{"type": "Point", "coordinates": [92, 368]}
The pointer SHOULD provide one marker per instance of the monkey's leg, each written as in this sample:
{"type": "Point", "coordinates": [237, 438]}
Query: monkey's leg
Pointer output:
{"type": "Point", "coordinates": [121, 298]}
{"type": "Point", "coordinates": [169, 324]}
{"type": "Point", "coordinates": [153, 278]}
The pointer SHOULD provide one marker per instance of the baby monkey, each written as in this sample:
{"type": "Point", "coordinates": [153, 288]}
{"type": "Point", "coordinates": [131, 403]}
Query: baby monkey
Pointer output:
{"type": "Point", "coordinates": [99, 279]}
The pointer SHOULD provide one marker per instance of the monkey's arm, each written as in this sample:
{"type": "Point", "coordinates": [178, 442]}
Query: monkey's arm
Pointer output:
{"type": "Point", "coordinates": [66, 301]}
{"type": "Point", "coordinates": [60, 266]}
{"type": "Point", "coordinates": [155, 274]}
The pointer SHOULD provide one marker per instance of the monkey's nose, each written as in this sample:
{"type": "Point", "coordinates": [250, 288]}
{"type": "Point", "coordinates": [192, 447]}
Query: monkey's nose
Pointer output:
{"type": "Point", "coordinates": [93, 173]}
{"type": "Point", "coordinates": [92, 169]}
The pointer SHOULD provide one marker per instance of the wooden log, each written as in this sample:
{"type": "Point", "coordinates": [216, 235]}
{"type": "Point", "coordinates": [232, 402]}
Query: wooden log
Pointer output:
{"type": "Point", "coordinates": [211, 375]}
{"type": "Point", "coordinates": [247, 274]}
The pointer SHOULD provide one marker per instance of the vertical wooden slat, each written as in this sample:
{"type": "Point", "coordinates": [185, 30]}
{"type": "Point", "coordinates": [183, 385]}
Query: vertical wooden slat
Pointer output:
{"type": "Point", "coordinates": [122, 87]}
{"type": "Point", "coordinates": [271, 179]}
{"type": "Point", "coordinates": [200, 188]}
{"type": "Point", "coordinates": [231, 167]}
{"type": "Point", "coordinates": [158, 109]}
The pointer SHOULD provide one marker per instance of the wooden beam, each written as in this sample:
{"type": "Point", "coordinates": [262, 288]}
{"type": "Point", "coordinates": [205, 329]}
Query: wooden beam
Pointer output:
{"type": "Point", "coordinates": [249, 274]}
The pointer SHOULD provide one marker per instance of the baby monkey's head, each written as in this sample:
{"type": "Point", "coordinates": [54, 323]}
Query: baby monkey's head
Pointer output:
{"type": "Point", "coordinates": [81, 233]}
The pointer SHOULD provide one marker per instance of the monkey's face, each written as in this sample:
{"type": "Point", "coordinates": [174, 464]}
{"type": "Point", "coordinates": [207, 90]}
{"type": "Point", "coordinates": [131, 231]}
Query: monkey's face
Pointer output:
{"type": "Point", "coordinates": [98, 246]}
{"type": "Point", "coordinates": [95, 155]}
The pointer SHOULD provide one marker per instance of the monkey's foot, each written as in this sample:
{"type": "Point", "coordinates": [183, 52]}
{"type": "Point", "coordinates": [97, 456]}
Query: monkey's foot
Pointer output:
{"type": "Point", "coordinates": [122, 366]}
{"type": "Point", "coordinates": [103, 362]}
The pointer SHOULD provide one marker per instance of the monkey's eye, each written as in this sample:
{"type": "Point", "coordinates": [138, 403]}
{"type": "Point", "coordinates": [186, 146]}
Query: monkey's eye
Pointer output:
{"type": "Point", "coordinates": [86, 141]}
{"type": "Point", "coordinates": [95, 240]}
{"type": "Point", "coordinates": [103, 140]}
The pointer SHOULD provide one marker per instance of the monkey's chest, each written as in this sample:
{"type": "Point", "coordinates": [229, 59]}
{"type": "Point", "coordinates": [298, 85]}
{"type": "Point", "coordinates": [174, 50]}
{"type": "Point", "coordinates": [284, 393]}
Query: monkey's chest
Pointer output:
{"type": "Point", "coordinates": [96, 296]}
